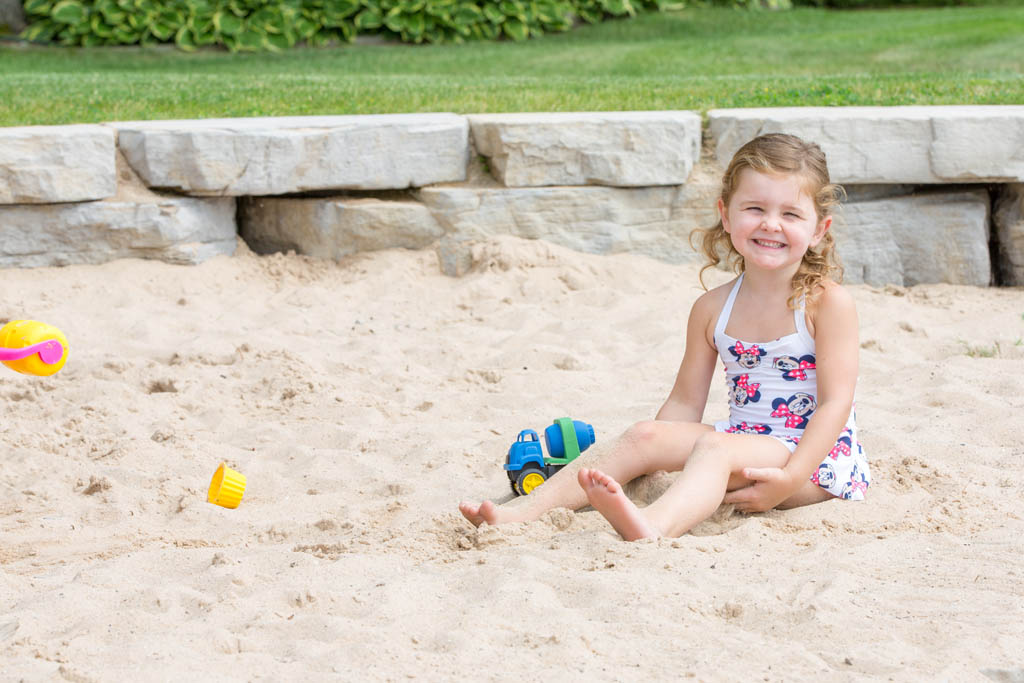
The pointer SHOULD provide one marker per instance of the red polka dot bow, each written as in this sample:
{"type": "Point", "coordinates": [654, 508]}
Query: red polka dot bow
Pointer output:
{"type": "Point", "coordinates": [799, 372]}
{"type": "Point", "coordinates": [792, 420]}
{"type": "Point", "coordinates": [743, 382]}
{"type": "Point", "coordinates": [841, 448]}
{"type": "Point", "coordinates": [747, 429]}
{"type": "Point", "coordinates": [753, 349]}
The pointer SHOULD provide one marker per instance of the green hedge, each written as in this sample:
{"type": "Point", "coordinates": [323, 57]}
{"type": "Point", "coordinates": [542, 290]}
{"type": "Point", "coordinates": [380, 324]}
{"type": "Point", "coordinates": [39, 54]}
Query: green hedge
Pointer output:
{"type": "Point", "coordinates": [279, 24]}
{"type": "Point", "coordinates": [879, 4]}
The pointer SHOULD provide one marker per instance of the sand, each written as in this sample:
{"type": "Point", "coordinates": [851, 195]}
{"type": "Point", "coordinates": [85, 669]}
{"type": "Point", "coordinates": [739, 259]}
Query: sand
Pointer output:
{"type": "Point", "coordinates": [364, 399]}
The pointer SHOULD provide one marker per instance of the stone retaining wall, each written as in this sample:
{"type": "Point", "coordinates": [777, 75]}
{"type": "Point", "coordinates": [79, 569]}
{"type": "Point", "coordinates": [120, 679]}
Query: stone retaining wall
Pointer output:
{"type": "Point", "coordinates": [936, 194]}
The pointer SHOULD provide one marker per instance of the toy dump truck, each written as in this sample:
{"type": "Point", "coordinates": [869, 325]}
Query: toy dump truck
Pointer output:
{"type": "Point", "coordinates": [526, 466]}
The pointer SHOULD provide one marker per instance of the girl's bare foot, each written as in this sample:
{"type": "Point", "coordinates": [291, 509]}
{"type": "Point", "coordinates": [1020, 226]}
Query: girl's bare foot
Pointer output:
{"type": "Point", "coordinates": [478, 514]}
{"type": "Point", "coordinates": [606, 496]}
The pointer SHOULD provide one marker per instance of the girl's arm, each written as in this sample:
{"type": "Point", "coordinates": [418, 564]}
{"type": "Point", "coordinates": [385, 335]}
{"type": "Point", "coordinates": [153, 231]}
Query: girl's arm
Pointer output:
{"type": "Point", "coordinates": [836, 349]}
{"type": "Point", "coordinates": [836, 358]}
{"type": "Point", "coordinates": [689, 395]}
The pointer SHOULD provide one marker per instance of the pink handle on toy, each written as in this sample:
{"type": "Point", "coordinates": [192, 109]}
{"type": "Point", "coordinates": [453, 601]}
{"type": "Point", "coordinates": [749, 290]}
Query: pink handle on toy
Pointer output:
{"type": "Point", "coordinates": [50, 352]}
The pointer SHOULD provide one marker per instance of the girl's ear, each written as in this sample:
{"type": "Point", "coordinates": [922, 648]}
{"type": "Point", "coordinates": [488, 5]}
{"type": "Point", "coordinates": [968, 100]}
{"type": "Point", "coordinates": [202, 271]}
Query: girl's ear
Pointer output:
{"type": "Point", "coordinates": [819, 232]}
{"type": "Point", "coordinates": [723, 214]}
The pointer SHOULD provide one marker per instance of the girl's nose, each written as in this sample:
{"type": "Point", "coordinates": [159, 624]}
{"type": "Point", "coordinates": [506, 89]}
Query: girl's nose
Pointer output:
{"type": "Point", "coordinates": [769, 224]}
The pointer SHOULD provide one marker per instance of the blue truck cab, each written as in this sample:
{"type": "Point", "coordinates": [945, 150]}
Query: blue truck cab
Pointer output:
{"type": "Point", "coordinates": [526, 466]}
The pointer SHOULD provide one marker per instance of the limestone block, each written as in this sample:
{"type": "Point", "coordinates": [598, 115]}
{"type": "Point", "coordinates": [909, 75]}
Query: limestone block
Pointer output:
{"type": "Point", "coordinates": [925, 144]}
{"type": "Point", "coordinates": [623, 149]}
{"type": "Point", "coordinates": [1008, 217]}
{"type": "Point", "coordinates": [267, 156]}
{"type": "Point", "coordinates": [335, 227]}
{"type": "Point", "coordinates": [652, 221]}
{"type": "Point", "coordinates": [922, 238]}
{"type": "Point", "coordinates": [53, 164]}
{"type": "Point", "coordinates": [864, 193]}
{"type": "Point", "coordinates": [178, 230]}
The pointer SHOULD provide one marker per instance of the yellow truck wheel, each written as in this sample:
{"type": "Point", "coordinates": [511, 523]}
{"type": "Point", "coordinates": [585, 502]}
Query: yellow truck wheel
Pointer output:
{"type": "Point", "coordinates": [529, 478]}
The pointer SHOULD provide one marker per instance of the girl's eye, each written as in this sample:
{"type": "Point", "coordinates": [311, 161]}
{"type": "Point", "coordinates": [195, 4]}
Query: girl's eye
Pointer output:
{"type": "Point", "coordinates": [793, 215]}
{"type": "Point", "coordinates": [754, 208]}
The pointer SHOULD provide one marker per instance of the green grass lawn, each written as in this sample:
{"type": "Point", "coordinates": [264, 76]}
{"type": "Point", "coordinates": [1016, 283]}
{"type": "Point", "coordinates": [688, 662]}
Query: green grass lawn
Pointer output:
{"type": "Point", "coordinates": [696, 59]}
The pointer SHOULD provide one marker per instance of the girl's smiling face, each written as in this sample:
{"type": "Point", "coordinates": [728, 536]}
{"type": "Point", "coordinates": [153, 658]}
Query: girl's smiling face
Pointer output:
{"type": "Point", "coordinates": [771, 220]}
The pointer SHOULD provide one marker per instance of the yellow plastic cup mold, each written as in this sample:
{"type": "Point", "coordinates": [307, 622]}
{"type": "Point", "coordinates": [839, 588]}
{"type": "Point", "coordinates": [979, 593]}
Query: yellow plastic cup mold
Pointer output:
{"type": "Point", "coordinates": [48, 357]}
{"type": "Point", "coordinates": [226, 488]}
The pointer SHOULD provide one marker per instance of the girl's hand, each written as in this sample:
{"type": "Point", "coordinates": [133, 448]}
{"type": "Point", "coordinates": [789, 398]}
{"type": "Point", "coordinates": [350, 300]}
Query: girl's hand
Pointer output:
{"type": "Point", "coordinates": [771, 486]}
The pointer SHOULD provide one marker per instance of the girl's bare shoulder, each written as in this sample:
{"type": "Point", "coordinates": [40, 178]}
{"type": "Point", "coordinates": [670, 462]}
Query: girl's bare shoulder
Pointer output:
{"type": "Point", "coordinates": [831, 300]}
{"type": "Point", "coordinates": [832, 294]}
{"type": "Point", "coordinates": [706, 309]}
{"type": "Point", "coordinates": [711, 302]}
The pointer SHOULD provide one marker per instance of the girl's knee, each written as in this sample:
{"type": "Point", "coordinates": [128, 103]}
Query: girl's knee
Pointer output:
{"type": "Point", "coordinates": [642, 443]}
{"type": "Point", "coordinates": [710, 441]}
{"type": "Point", "coordinates": [719, 447]}
{"type": "Point", "coordinates": [642, 433]}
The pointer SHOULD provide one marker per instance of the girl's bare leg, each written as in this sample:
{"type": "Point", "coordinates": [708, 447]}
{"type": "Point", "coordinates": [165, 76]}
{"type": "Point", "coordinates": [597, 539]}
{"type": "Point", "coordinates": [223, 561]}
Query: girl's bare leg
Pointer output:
{"type": "Point", "coordinates": [714, 467]}
{"type": "Point", "coordinates": [644, 448]}
{"type": "Point", "coordinates": [808, 494]}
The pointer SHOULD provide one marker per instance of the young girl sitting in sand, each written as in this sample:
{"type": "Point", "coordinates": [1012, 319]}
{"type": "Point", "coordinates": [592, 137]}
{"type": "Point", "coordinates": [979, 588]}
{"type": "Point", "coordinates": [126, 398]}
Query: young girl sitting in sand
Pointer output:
{"type": "Point", "coordinates": [787, 336]}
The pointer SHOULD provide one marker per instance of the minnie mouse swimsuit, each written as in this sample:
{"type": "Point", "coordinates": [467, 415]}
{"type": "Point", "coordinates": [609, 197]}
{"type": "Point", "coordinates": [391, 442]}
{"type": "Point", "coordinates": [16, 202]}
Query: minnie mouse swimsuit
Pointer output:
{"type": "Point", "coordinates": [773, 391]}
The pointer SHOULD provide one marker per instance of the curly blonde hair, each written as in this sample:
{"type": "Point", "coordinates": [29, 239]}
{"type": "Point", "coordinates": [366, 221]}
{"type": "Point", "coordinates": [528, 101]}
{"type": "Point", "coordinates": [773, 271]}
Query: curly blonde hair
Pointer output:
{"type": "Point", "coordinates": [778, 154]}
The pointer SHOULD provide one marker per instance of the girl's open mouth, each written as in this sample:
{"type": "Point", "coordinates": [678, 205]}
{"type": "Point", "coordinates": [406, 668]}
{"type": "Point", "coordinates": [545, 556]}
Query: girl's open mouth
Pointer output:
{"type": "Point", "coordinates": [769, 244]}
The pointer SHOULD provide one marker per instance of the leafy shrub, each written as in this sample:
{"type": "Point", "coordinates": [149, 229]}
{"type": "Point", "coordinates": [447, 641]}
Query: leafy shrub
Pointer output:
{"type": "Point", "coordinates": [748, 4]}
{"type": "Point", "coordinates": [875, 4]}
{"type": "Point", "coordinates": [280, 24]}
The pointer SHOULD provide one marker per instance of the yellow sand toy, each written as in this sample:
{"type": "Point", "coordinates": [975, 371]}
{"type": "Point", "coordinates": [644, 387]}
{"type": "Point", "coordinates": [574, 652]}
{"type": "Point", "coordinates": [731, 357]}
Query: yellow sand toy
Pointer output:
{"type": "Point", "coordinates": [227, 487]}
{"type": "Point", "coordinates": [33, 348]}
